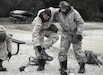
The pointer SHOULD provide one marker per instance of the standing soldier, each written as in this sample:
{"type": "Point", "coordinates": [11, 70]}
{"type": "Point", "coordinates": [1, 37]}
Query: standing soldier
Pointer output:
{"type": "Point", "coordinates": [72, 25]}
{"type": "Point", "coordinates": [5, 47]}
{"type": "Point", "coordinates": [43, 27]}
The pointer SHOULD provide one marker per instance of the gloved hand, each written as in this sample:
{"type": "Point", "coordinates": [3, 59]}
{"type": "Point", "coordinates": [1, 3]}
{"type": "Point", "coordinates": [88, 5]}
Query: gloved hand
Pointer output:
{"type": "Point", "coordinates": [53, 28]}
{"type": "Point", "coordinates": [79, 37]}
{"type": "Point", "coordinates": [39, 48]}
{"type": "Point", "coordinates": [9, 55]}
{"type": "Point", "coordinates": [76, 38]}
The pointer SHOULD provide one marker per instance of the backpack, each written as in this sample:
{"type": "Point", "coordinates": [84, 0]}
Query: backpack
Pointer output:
{"type": "Point", "coordinates": [92, 58]}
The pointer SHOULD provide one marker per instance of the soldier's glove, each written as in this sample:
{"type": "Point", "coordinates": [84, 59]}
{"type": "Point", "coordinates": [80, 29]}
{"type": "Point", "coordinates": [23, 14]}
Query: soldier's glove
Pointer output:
{"type": "Point", "coordinates": [53, 28]}
{"type": "Point", "coordinates": [79, 37]}
{"type": "Point", "coordinates": [39, 48]}
{"type": "Point", "coordinates": [43, 54]}
{"type": "Point", "coordinates": [9, 55]}
{"type": "Point", "coordinates": [76, 38]}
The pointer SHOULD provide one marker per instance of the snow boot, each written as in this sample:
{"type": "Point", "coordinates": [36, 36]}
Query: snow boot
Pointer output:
{"type": "Point", "coordinates": [1, 67]}
{"type": "Point", "coordinates": [63, 68]}
{"type": "Point", "coordinates": [41, 64]}
{"type": "Point", "coordinates": [44, 55]}
{"type": "Point", "coordinates": [82, 68]}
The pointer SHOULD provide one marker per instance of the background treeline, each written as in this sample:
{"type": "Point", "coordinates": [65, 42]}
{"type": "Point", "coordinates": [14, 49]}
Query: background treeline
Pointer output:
{"type": "Point", "coordinates": [91, 10]}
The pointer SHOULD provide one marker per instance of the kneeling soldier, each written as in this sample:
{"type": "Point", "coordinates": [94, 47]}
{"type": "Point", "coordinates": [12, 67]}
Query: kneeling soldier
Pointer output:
{"type": "Point", "coordinates": [5, 47]}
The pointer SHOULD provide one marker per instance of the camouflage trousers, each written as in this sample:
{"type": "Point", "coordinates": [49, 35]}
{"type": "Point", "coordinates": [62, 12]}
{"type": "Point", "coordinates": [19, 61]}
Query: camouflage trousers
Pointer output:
{"type": "Point", "coordinates": [47, 42]}
{"type": "Point", "coordinates": [64, 47]}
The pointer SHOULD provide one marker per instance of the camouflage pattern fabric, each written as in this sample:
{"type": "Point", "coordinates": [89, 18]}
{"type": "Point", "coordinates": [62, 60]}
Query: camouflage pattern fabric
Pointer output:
{"type": "Point", "coordinates": [72, 24]}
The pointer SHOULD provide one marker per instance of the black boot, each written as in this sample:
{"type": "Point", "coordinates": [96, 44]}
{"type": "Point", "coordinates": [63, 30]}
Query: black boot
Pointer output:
{"type": "Point", "coordinates": [63, 68]}
{"type": "Point", "coordinates": [46, 56]}
{"type": "Point", "coordinates": [82, 68]}
{"type": "Point", "coordinates": [43, 54]}
{"type": "Point", "coordinates": [41, 64]}
{"type": "Point", "coordinates": [1, 67]}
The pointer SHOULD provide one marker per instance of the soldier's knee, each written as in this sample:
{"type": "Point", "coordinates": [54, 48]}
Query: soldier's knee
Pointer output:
{"type": "Point", "coordinates": [62, 57]}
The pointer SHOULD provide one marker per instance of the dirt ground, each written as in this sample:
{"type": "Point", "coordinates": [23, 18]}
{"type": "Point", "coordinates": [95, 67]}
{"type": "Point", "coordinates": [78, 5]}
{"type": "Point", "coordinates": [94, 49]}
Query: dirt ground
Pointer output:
{"type": "Point", "coordinates": [93, 41]}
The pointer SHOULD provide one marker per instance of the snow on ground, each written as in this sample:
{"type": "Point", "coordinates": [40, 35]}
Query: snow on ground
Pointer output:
{"type": "Point", "coordinates": [92, 41]}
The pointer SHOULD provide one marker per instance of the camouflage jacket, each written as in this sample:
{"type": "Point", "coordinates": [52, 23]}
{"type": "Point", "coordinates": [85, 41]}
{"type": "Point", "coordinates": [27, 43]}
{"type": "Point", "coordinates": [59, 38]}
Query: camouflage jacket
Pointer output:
{"type": "Point", "coordinates": [5, 46]}
{"type": "Point", "coordinates": [39, 26]}
{"type": "Point", "coordinates": [72, 22]}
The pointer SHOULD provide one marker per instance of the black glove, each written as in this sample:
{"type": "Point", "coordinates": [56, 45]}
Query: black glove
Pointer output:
{"type": "Point", "coordinates": [39, 48]}
{"type": "Point", "coordinates": [79, 37]}
{"type": "Point", "coordinates": [53, 28]}
{"type": "Point", "coordinates": [9, 55]}
{"type": "Point", "coordinates": [76, 38]}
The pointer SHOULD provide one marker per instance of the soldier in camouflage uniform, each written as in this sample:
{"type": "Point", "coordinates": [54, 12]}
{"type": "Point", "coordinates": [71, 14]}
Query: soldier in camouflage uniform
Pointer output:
{"type": "Point", "coordinates": [5, 46]}
{"type": "Point", "coordinates": [43, 28]}
{"type": "Point", "coordinates": [72, 25]}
